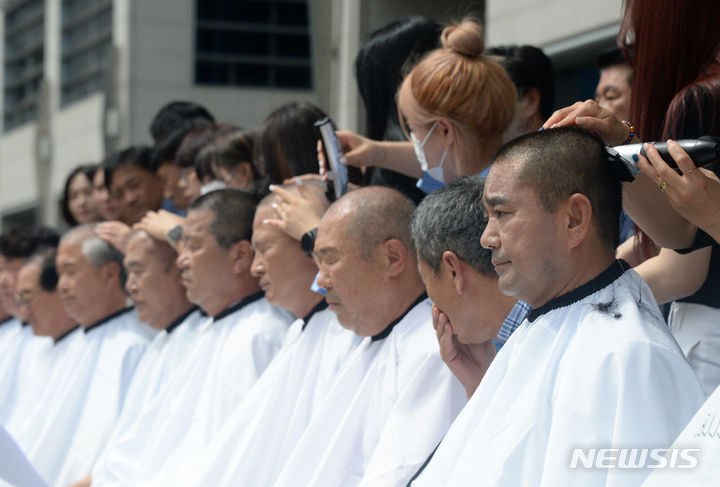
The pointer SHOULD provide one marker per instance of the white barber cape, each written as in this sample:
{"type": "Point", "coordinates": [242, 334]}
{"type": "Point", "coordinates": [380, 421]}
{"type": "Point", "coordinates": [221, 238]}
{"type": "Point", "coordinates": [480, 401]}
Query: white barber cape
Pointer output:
{"type": "Point", "coordinates": [697, 461]}
{"type": "Point", "coordinates": [53, 366]}
{"type": "Point", "coordinates": [166, 352]}
{"type": "Point", "coordinates": [8, 327]}
{"type": "Point", "coordinates": [82, 407]}
{"type": "Point", "coordinates": [232, 350]}
{"type": "Point", "coordinates": [387, 410]}
{"type": "Point", "coordinates": [11, 346]}
{"type": "Point", "coordinates": [163, 356]}
{"type": "Point", "coordinates": [276, 410]}
{"type": "Point", "coordinates": [594, 368]}
{"type": "Point", "coordinates": [23, 360]}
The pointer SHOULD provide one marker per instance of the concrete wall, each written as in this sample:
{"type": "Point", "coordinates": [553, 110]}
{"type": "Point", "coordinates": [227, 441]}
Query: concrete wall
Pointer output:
{"type": "Point", "coordinates": [543, 22]}
{"type": "Point", "coordinates": [2, 67]}
{"type": "Point", "coordinates": [77, 138]}
{"type": "Point", "coordinates": [161, 53]}
{"type": "Point", "coordinates": [17, 168]}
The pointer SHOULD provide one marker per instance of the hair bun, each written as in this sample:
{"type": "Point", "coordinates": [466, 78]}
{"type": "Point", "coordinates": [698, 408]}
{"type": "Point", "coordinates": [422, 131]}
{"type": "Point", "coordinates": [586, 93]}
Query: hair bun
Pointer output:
{"type": "Point", "coordinates": [465, 38]}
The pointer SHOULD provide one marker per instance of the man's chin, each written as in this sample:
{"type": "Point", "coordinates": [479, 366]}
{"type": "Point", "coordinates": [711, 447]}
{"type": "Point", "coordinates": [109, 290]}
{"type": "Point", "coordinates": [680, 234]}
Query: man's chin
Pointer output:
{"type": "Point", "coordinates": [506, 284]}
{"type": "Point", "coordinates": [343, 318]}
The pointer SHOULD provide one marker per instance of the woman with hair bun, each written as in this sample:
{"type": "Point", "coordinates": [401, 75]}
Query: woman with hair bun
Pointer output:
{"type": "Point", "coordinates": [456, 103]}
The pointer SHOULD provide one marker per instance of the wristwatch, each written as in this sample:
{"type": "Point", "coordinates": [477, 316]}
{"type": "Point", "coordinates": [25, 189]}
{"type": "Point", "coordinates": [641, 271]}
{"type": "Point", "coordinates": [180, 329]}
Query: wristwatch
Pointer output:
{"type": "Point", "coordinates": [307, 242]}
{"type": "Point", "coordinates": [173, 236]}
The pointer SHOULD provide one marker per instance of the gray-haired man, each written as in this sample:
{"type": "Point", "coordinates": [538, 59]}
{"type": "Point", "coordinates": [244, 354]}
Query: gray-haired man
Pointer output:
{"type": "Point", "coordinates": [460, 278]}
{"type": "Point", "coordinates": [82, 409]}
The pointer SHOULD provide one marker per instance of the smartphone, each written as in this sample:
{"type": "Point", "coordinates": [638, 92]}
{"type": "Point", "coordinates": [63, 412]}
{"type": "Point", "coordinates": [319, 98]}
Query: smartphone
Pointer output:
{"type": "Point", "coordinates": [337, 172]}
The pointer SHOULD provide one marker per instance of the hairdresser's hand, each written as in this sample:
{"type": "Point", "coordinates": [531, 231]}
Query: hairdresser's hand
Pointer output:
{"type": "Point", "coordinates": [358, 151]}
{"type": "Point", "coordinates": [468, 362]}
{"type": "Point", "coordinates": [694, 194]}
{"type": "Point", "coordinates": [158, 223]}
{"type": "Point", "coordinates": [298, 213]}
{"type": "Point", "coordinates": [591, 116]}
{"type": "Point", "coordinates": [115, 233]}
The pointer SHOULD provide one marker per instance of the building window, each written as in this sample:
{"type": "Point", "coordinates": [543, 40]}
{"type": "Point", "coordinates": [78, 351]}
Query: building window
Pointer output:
{"type": "Point", "coordinates": [86, 47]}
{"type": "Point", "coordinates": [24, 34]}
{"type": "Point", "coordinates": [253, 43]}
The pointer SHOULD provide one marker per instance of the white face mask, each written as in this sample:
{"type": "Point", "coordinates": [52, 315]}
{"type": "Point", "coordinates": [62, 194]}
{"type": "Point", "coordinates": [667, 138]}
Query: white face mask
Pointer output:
{"type": "Point", "coordinates": [435, 172]}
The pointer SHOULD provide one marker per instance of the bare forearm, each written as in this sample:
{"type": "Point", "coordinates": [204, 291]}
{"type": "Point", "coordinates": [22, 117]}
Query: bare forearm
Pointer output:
{"type": "Point", "coordinates": [673, 276]}
{"type": "Point", "coordinates": [650, 210]}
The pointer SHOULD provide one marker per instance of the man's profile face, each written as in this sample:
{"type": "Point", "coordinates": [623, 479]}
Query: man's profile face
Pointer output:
{"type": "Point", "coordinates": [136, 191]}
{"type": "Point", "coordinates": [39, 311]}
{"type": "Point", "coordinates": [349, 278]}
{"type": "Point", "coordinates": [151, 281]}
{"type": "Point", "coordinates": [522, 235]}
{"type": "Point", "coordinates": [465, 315]}
{"type": "Point", "coordinates": [279, 262]}
{"type": "Point", "coordinates": [613, 90]}
{"type": "Point", "coordinates": [440, 289]}
{"type": "Point", "coordinates": [8, 276]}
{"type": "Point", "coordinates": [78, 281]}
{"type": "Point", "coordinates": [204, 265]}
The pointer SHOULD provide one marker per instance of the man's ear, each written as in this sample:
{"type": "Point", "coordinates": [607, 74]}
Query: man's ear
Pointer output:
{"type": "Point", "coordinates": [455, 269]}
{"type": "Point", "coordinates": [578, 216]}
{"type": "Point", "coordinates": [111, 272]}
{"type": "Point", "coordinates": [396, 256]}
{"type": "Point", "coordinates": [241, 256]}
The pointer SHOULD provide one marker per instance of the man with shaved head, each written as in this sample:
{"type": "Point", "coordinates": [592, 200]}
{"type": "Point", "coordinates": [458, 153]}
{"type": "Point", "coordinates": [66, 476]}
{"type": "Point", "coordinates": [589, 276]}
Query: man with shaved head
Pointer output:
{"type": "Point", "coordinates": [593, 366]}
{"type": "Point", "coordinates": [154, 284]}
{"type": "Point", "coordinates": [282, 402]}
{"type": "Point", "coordinates": [394, 399]}
{"type": "Point", "coordinates": [83, 408]}
{"type": "Point", "coordinates": [240, 337]}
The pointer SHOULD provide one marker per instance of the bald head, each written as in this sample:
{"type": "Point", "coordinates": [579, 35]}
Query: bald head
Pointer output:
{"type": "Point", "coordinates": [153, 280]}
{"type": "Point", "coordinates": [366, 260]}
{"type": "Point", "coordinates": [157, 249]}
{"type": "Point", "coordinates": [374, 215]}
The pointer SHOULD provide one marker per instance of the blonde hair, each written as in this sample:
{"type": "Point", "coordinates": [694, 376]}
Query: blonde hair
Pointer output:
{"type": "Point", "coordinates": [459, 83]}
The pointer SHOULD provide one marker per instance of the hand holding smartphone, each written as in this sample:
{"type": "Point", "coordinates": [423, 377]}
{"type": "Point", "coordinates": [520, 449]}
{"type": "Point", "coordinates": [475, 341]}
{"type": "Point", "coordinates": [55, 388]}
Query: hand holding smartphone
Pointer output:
{"type": "Point", "coordinates": [338, 173]}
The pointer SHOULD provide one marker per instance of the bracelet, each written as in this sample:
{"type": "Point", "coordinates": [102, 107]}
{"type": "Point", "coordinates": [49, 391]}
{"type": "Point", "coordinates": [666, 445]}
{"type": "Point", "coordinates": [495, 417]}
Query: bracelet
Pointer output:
{"type": "Point", "coordinates": [632, 131]}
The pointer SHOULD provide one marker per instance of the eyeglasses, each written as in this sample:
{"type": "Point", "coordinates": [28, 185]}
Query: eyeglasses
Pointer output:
{"type": "Point", "coordinates": [24, 299]}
